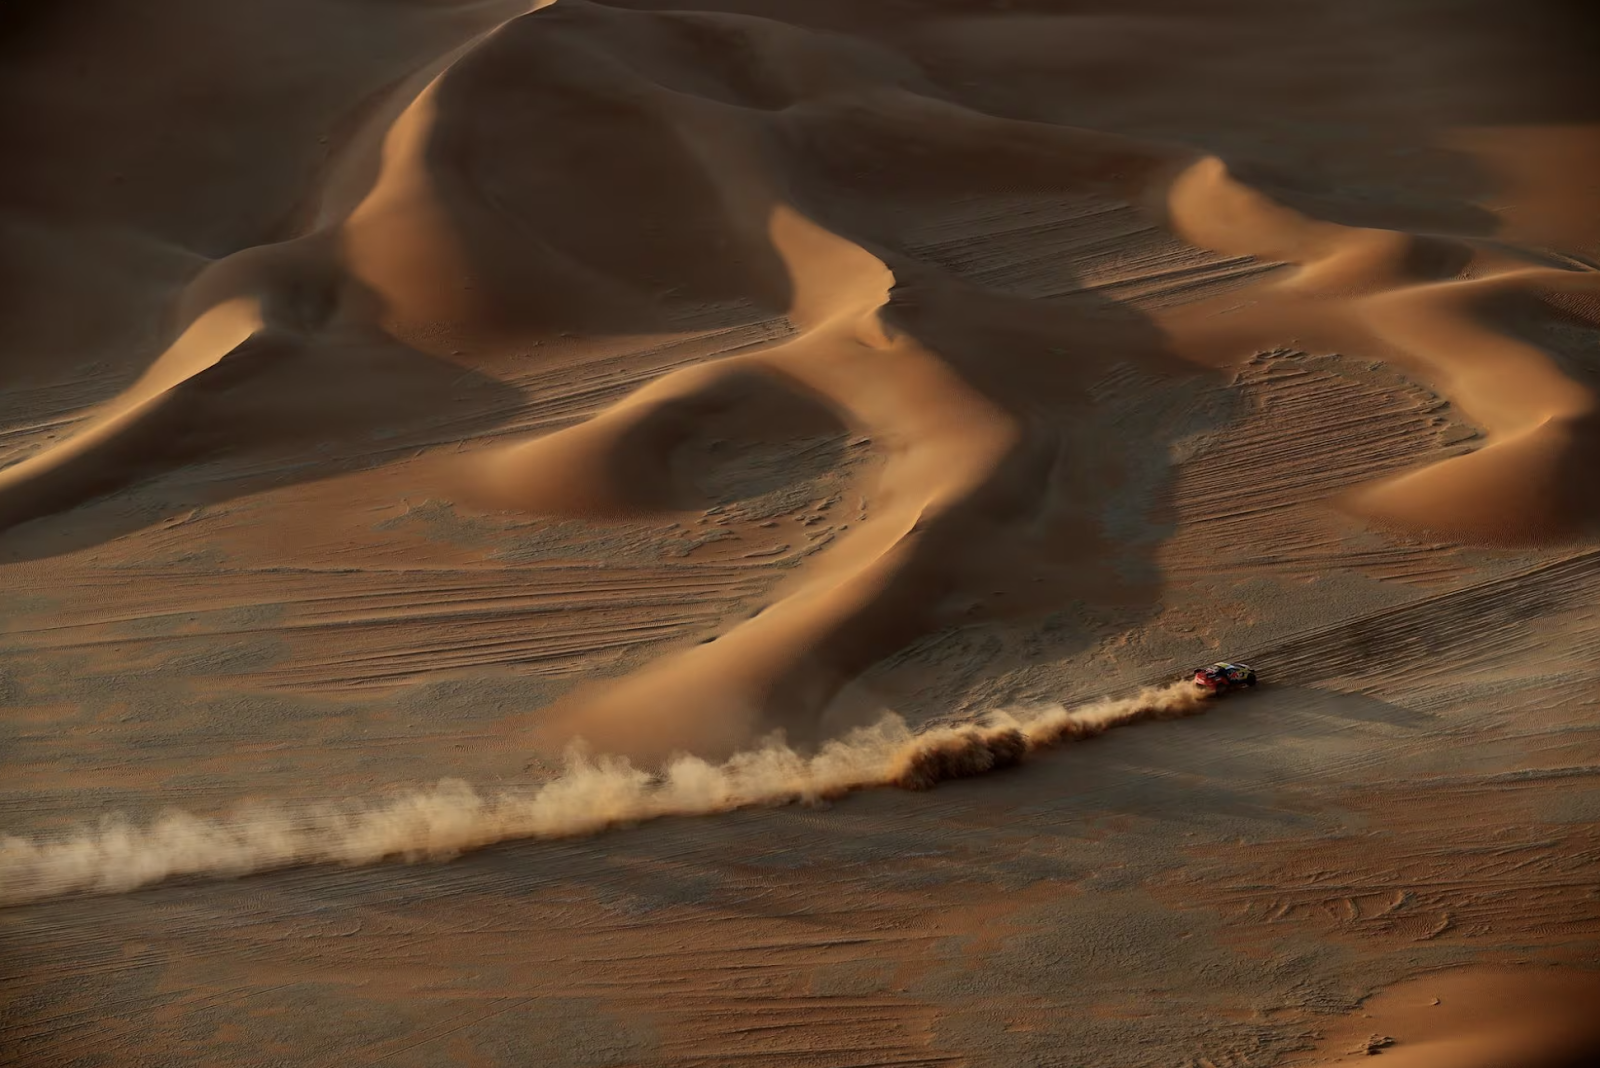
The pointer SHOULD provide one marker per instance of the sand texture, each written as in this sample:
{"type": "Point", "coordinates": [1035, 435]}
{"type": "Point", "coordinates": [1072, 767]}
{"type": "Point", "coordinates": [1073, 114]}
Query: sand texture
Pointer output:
{"type": "Point", "coordinates": [635, 533]}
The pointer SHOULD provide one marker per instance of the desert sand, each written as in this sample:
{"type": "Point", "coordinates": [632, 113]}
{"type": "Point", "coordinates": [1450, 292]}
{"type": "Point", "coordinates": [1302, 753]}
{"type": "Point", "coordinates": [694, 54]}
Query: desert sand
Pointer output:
{"type": "Point", "coordinates": [636, 533]}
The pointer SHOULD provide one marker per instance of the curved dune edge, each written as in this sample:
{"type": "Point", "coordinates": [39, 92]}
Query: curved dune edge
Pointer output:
{"type": "Point", "coordinates": [612, 463]}
{"type": "Point", "coordinates": [590, 796]}
{"type": "Point", "coordinates": [1541, 427]}
{"type": "Point", "coordinates": [942, 441]}
{"type": "Point", "coordinates": [1473, 1018]}
{"type": "Point", "coordinates": [46, 481]}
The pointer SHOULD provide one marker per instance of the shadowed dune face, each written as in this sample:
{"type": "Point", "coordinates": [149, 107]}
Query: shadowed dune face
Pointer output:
{"type": "Point", "coordinates": [600, 171]}
{"type": "Point", "coordinates": [510, 195]}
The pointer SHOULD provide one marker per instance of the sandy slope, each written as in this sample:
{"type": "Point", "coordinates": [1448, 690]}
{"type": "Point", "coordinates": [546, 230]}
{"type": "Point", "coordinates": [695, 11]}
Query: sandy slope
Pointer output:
{"type": "Point", "coordinates": [448, 380]}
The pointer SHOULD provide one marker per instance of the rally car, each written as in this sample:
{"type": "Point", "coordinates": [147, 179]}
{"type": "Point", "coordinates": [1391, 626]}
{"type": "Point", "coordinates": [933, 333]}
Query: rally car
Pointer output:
{"type": "Point", "coordinates": [1222, 677]}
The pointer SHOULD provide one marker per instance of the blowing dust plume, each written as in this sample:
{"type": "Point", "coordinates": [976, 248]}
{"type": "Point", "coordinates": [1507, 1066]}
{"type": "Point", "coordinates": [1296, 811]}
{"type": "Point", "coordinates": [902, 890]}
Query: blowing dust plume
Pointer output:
{"type": "Point", "coordinates": [589, 796]}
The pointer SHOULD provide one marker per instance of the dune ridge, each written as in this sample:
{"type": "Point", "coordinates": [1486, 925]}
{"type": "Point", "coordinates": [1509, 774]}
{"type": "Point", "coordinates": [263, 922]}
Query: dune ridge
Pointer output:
{"type": "Point", "coordinates": [1435, 304]}
{"type": "Point", "coordinates": [591, 795]}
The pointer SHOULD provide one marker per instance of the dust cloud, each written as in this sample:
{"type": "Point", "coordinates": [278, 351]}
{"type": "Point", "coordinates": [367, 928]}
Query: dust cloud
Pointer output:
{"type": "Point", "coordinates": [590, 795]}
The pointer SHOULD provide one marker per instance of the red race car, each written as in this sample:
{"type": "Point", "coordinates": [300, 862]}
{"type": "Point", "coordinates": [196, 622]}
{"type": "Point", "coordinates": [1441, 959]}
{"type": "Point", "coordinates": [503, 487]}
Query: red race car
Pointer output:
{"type": "Point", "coordinates": [1223, 677]}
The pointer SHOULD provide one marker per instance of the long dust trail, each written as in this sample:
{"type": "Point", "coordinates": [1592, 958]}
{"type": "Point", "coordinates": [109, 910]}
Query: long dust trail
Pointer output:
{"type": "Point", "coordinates": [590, 795]}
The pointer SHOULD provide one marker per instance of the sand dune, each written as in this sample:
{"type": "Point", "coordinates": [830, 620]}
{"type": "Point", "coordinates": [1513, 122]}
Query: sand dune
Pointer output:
{"type": "Point", "coordinates": [398, 391]}
{"type": "Point", "coordinates": [1415, 295]}
{"type": "Point", "coordinates": [478, 230]}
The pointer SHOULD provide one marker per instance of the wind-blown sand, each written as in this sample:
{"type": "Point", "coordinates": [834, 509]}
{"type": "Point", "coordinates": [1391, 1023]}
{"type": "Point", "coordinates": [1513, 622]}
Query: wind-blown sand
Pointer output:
{"type": "Point", "coordinates": [395, 393]}
{"type": "Point", "coordinates": [588, 796]}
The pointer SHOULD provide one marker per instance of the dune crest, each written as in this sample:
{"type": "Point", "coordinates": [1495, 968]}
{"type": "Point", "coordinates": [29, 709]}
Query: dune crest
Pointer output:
{"type": "Point", "coordinates": [1430, 302]}
{"type": "Point", "coordinates": [941, 442]}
